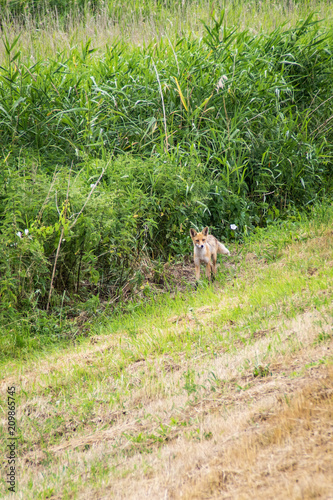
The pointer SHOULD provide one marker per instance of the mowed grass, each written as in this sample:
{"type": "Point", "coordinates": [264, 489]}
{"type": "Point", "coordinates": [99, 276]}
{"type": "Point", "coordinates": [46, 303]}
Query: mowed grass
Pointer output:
{"type": "Point", "coordinates": [222, 392]}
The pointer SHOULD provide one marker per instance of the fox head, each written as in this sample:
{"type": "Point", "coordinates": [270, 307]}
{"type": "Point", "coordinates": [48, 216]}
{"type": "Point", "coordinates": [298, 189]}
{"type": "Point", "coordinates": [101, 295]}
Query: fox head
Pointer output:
{"type": "Point", "coordinates": [199, 239]}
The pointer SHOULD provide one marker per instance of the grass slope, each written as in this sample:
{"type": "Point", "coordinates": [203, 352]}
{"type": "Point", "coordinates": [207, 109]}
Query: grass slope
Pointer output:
{"type": "Point", "coordinates": [221, 393]}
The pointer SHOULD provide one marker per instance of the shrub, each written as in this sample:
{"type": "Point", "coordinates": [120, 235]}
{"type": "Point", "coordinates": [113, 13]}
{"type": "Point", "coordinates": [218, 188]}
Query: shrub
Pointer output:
{"type": "Point", "coordinates": [140, 208]}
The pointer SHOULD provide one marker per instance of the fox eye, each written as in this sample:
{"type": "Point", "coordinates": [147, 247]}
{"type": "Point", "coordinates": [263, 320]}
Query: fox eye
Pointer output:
{"type": "Point", "coordinates": [197, 241]}
{"type": "Point", "coordinates": [203, 240]}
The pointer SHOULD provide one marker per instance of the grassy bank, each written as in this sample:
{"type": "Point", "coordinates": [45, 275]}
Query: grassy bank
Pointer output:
{"type": "Point", "coordinates": [197, 376]}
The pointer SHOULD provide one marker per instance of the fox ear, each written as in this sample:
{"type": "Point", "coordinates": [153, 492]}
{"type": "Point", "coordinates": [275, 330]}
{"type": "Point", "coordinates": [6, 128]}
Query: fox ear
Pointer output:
{"type": "Point", "coordinates": [193, 232]}
{"type": "Point", "coordinates": [205, 231]}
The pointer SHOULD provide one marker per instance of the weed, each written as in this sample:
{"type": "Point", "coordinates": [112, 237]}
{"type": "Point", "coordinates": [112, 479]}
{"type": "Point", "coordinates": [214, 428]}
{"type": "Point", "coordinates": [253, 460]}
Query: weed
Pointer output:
{"type": "Point", "coordinates": [322, 337]}
{"type": "Point", "coordinates": [261, 371]}
{"type": "Point", "coordinates": [190, 386]}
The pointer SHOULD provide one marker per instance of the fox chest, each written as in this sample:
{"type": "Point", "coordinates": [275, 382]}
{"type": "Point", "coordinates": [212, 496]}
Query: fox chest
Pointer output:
{"type": "Point", "coordinates": [202, 254]}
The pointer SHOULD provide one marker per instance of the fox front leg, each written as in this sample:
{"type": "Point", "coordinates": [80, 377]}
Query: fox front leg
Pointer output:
{"type": "Point", "coordinates": [208, 270]}
{"type": "Point", "coordinates": [197, 271]}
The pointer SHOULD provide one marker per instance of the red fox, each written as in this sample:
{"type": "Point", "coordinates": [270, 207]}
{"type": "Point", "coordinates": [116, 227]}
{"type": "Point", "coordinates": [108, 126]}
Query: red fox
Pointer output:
{"type": "Point", "coordinates": [206, 246]}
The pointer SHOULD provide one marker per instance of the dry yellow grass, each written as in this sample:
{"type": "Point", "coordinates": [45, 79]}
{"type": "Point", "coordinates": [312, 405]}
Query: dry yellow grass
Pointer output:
{"type": "Point", "coordinates": [285, 453]}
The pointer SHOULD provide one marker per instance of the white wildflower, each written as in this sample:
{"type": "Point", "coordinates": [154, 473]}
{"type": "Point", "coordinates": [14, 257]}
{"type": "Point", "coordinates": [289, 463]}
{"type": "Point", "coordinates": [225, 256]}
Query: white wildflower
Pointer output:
{"type": "Point", "coordinates": [92, 185]}
{"type": "Point", "coordinates": [233, 227]}
{"type": "Point", "coordinates": [19, 234]}
{"type": "Point", "coordinates": [221, 82]}
{"type": "Point", "coordinates": [26, 232]}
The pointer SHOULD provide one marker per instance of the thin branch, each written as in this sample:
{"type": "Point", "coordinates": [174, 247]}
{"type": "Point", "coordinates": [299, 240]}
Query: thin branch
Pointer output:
{"type": "Point", "coordinates": [70, 227]}
{"type": "Point", "coordinates": [321, 104]}
{"type": "Point", "coordinates": [164, 115]}
{"type": "Point", "coordinates": [56, 202]}
{"type": "Point", "coordinates": [263, 194]}
{"type": "Point", "coordinates": [60, 241]}
{"type": "Point", "coordinates": [54, 269]}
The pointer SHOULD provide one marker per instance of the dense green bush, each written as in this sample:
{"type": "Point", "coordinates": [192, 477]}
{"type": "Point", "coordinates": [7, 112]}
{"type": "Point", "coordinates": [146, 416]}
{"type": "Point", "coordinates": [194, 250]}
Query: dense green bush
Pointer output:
{"type": "Point", "coordinates": [140, 208]}
{"type": "Point", "coordinates": [255, 109]}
